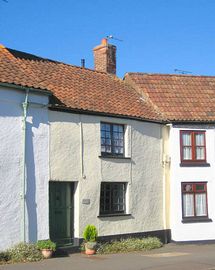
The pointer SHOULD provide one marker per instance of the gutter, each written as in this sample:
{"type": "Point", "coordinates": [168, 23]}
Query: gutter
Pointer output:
{"type": "Point", "coordinates": [20, 87]}
{"type": "Point", "coordinates": [88, 112]}
{"type": "Point", "coordinates": [193, 122]}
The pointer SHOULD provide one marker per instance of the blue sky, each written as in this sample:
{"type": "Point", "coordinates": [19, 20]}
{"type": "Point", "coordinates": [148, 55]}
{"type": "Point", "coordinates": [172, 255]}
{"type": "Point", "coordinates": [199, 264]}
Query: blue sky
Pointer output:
{"type": "Point", "coordinates": [158, 35]}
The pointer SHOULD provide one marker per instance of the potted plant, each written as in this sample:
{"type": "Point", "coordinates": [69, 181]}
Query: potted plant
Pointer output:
{"type": "Point", "coordinates": [47, 248]}
{"type": "Point", "coordinates": [90, 235]}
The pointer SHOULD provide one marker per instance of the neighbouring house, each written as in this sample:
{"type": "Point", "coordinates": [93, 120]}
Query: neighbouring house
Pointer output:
{"type": "Point", "coordinates": [95, 156]}
{"type": "Point", "coordinates": [24, 154]}
{"type": "Point", "coordinates": [189, 154]}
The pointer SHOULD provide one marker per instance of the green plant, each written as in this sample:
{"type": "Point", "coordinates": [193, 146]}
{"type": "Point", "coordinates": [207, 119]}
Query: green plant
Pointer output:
{"type": "Point", "coordinates": [90, 233]}
{"type": "Point", "coordinates": [128, 245]}
{"type": "Point", "coordinates": [24, 252]}
{"type": "Point", "coordinates": [46, 244]}
{"type": "Point", "coordinates": [82, 246]}
{"type": "Point", "coordinates": [91, 245]}
{"type": "Point", "coordinates": [4, 256]}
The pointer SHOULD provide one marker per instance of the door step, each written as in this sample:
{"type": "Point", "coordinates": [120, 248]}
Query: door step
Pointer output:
{"type": "Point", "coordinates": [64, 251]}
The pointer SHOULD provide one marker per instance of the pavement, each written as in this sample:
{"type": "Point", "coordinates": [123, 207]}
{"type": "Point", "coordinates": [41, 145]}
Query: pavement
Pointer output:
{"type": "Point", "coordinates": [169, 257]}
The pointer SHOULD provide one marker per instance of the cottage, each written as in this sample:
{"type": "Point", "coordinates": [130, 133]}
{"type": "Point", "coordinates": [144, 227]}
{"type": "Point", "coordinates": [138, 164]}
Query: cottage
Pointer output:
{"type": "Point", "coordinates": [100, 152]}
{"type": "Point", "coordinates": [188, 104]}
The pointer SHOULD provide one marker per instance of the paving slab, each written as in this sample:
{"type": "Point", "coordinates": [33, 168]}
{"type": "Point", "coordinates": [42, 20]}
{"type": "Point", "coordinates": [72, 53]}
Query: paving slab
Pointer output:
{"type": "Point", "coordinates": [169, 257]}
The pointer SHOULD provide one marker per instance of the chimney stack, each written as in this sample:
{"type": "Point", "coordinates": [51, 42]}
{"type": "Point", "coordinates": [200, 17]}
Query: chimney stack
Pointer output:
{"type": "Point", "coordinates": [105, 57]}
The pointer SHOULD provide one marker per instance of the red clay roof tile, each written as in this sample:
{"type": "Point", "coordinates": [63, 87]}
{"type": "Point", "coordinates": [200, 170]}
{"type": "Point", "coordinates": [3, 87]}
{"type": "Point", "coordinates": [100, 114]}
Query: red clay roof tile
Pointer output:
{"type": "Point", "coordinates": [178, 97]}
{"type": "Point", "coordinates": [74, 87]}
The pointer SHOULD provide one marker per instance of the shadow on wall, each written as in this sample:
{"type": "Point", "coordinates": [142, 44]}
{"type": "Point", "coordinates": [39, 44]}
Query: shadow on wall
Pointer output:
{"type": "Point", "coordinates": [33, 169]}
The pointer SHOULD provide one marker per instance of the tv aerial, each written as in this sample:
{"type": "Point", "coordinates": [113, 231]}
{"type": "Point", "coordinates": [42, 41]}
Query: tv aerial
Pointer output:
{"type": "Point", "coordinates": [180, 71]}
{"type": "Point", "coordinates": [114, 38]}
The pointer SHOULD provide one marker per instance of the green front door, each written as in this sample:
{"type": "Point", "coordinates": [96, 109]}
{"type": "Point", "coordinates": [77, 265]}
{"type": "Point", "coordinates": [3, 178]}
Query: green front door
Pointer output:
{"type": "Point", "coordinates": [61, 212]}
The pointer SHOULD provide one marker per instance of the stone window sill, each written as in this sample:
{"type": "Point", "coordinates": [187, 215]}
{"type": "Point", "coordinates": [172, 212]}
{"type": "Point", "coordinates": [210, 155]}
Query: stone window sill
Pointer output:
{"type": "Point", "coordinates": [113, 156]}
{"type": "Point", "coordinates": [113, 215]}
{"type": "Point", "coordinates": [195, 164]}
{"type": "Point", "coordinates": [196, 220]}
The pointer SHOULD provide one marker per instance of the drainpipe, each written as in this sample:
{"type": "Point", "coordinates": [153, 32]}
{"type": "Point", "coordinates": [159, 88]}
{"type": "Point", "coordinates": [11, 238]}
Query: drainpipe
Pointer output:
{"type": "Point", "coordinates": [83, 176]}
{"type": "Point", "coordinates": [23, 221]}
{"type": "Point", "coordinates": [166, 168]}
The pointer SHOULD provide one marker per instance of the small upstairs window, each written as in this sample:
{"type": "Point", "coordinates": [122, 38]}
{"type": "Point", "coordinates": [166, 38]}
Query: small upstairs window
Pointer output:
{"type": "Point", "coordinates": [112, 139]}
{"type": "Point", "coordinates": [193, 146]}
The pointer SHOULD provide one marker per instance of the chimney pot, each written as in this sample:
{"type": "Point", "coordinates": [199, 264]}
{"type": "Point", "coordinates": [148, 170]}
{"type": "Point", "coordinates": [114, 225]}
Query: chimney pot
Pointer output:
{"type": "Point", "coordinates": [83, 63]}
{"type": "Point", "coordinates": [104, 42]}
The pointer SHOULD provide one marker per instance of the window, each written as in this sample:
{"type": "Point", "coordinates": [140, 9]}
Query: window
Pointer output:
{"type": "Point", "coordinates": [112, 139]}
{"type": "Point", "coordinates": [193, 147]}
{"type": "Point", "coordinates": [112, 198]}
{"type": "Point", "coordinates": [194, 200]}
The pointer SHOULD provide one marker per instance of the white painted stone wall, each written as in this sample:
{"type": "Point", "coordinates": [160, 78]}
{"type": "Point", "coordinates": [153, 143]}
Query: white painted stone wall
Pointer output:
{"type": "Point", "coordinates": [37, 159]}
{"type": "Point", "coordinates": [191, 231]}
{"type": "Point", "coordinates": [75, 156]}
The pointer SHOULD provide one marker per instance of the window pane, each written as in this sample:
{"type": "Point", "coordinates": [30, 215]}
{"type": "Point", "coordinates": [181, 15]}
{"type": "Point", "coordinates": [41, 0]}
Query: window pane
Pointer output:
{"type": "Point", "coordinates": [116, 135]}
{"type": "Point", "coordinates": [115, 142]}
{"type": "Point", "coordinates": [200, 153]}
{"type": "Point", "coordinates": [108, 149]}
{"type": "Point", "coordinates": [201, 209]}
{"type": "Point", "coordinates": [108, 142]}
{"type": "Point", "coordinates": [115, 150]}
{"type": "Point", "coordinates": [107, 135]}
{"type": "Point", "coordinates": [200, 187]}
{"type": "Point", "coordinates": [103, 141]}
{"type": "Point", "coordinates": [187, 187]}
{"type": "Point", "coordinates": [121, 136]}
{"type": "Point", "coordinates": [103, 134]}
{"type": "Point", "coordinates": [118, 150]}
{"type": "Point", "coordinates": [186, 139]}
{"type": "Point", "coordinates": [116, 128]}
{"type": "Point", "coordinates": [121, 143]}
{"type": "Point", "coordinates": [121, 150]}
{"type": "Point", "coordinates": [199, 138]}
{"type": "Point", "coordinates": [103, 126]}
{"type": "Point", "coordinates": [107, 127]}
{"type": "Point", "coordinates": [120, 129]}
{"type": "Point", "coordinates": [187, 153]}
{"type": "Point", "coordinates": [188, 205]}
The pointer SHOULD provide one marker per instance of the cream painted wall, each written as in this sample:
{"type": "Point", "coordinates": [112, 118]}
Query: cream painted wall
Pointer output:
{"type": "Point", "coordinates": [191, 231]}
{"type": "Point", "coordinates": [75, 156]}
{"type": "Point", "coordinates": [11, 156]}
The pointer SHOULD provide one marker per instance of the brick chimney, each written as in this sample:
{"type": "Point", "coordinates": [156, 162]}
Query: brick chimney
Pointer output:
{"type": "Point", "coordinates": [105, 57]}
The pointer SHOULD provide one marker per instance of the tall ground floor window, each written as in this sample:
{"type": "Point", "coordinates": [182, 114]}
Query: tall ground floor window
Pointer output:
{"type": "Point", "coordinates": [112, 198]}
{"type": "Point", "coordinates": [194, 200]}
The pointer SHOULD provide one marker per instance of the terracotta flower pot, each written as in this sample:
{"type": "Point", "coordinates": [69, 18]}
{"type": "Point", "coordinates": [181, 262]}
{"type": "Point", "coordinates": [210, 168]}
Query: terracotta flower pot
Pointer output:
{"type": "Point", "coordinates": [90, 248]}
{"type": "Point", "coordinates": [47, 253]}
{"type": "Point", "coordinates": [90, 251]}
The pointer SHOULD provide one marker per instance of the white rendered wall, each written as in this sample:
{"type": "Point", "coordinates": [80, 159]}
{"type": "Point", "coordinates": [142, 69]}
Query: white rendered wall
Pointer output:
{"type": "Point", "coordinates": [72, 161]}
{"type": "Point", "coordinates": [11, 158]}
{"type": "Point", "coordinates": [191, 231]}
